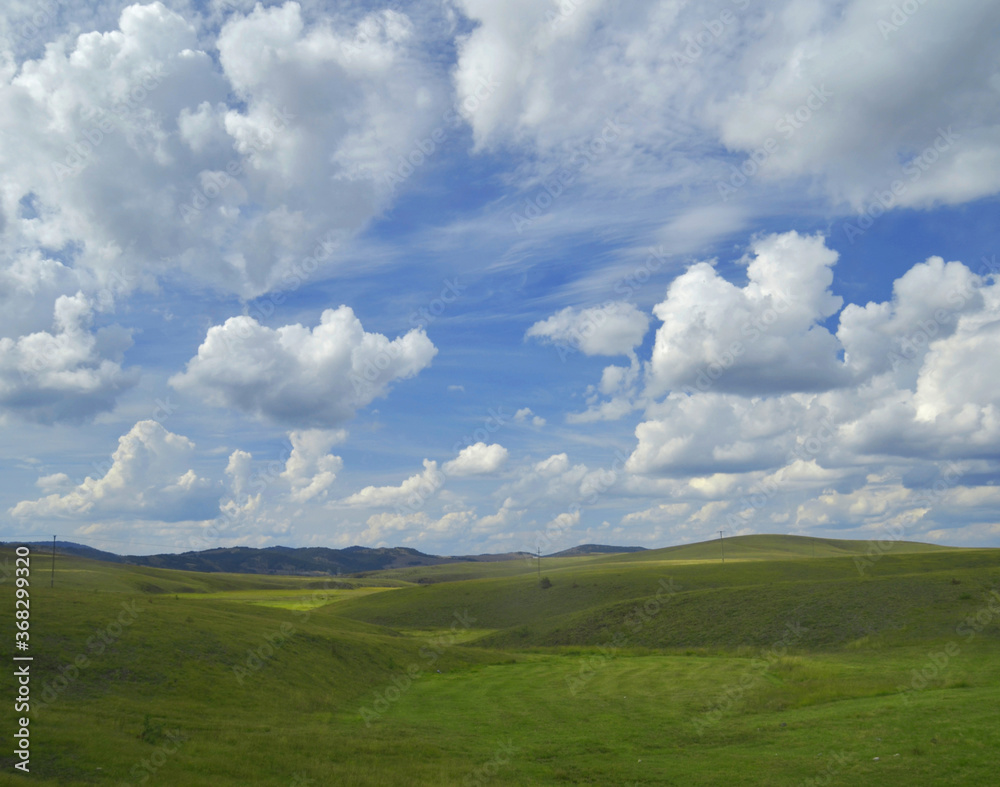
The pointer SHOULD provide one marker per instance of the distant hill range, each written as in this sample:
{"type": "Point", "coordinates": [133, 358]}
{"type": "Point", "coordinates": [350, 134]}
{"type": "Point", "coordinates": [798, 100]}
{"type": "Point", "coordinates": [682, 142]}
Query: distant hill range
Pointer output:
{"type": "Point", "coordinates": [594, 549]}
{"type": "Point", "coordinates": [302, 561]}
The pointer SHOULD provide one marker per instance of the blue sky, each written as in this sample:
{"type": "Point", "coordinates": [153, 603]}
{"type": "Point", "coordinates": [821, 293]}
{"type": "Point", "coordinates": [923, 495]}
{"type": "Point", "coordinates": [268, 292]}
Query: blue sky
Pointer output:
{"type": "Point", "coordinates": [469, 276]}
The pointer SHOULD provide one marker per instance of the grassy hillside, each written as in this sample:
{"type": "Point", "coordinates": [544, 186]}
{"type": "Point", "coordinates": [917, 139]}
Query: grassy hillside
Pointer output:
{"type": "Point", "coordinates": [771, 547]}
{"type": "Point", "coordinates": [200, 654]}
{"type": "Point", "coordinates": [716, 605]}
{"type": "Point", "coordinates": [646, 668]}
{"type": "Point", "coordinates": [738, 549]}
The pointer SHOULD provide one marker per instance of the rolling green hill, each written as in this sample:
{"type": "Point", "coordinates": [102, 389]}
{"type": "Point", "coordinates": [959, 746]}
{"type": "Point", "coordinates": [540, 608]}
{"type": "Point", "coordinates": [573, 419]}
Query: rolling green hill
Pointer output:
{"type": "Point", "coordinates": [654, 667]}
{"type": "Point", "coordinates": [715, 605]}
{"type": "Point", "coordinates": [773, 547]}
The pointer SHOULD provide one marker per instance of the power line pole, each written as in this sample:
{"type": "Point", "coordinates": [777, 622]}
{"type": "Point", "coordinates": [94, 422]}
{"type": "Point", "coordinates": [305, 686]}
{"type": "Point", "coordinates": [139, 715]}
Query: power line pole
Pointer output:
{"type": "Point", "coordinates": [52, 583]}
{"type": "Point", "coordinates": [722, 541]}
{"type": "Point", "coordinates": [539, 552]}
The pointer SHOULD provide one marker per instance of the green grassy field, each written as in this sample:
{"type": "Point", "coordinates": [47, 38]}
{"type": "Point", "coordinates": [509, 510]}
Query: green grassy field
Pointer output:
{"type": "Point", "coordinates": [659, 667]}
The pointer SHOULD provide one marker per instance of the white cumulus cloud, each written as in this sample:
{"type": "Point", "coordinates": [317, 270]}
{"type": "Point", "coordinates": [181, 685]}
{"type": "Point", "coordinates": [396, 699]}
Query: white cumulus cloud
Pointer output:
{"type": "Point", "coordinates": [295, 375]}
{"type": "Point", "coordinates": [477, 459]}
{"type": "Point", "coordinates": [311, 468]}
{"type": "Point", "coordinates": [614, 328]}
{"type": "Point", "coordinates": [165, 148]}
{"type": "Point", "coordinates": [413, 492]}
{"type": "Point", "coordinates": [69, 374]}
{"type": "Point", "coordinates": [150, 478]}
{"type": "Point", "coordinates": [764, 337]}
{"type": "Point", "coordinates": [525, 413]}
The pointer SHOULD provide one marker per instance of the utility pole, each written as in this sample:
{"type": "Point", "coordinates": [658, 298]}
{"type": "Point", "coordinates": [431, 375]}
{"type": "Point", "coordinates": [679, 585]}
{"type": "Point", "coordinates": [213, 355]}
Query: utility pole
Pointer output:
{"type": "Point", "coordinates": [722, 540]}
{"type": "Point", "coordinates": [539, 552]}
{"type": "Point", "coordinates": [52, 582]}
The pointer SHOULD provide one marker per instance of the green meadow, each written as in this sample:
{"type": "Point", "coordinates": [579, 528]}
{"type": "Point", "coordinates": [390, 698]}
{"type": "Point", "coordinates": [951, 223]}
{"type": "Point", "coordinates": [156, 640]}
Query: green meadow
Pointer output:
{"type": "Point", "coordinates": [796, 662]}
